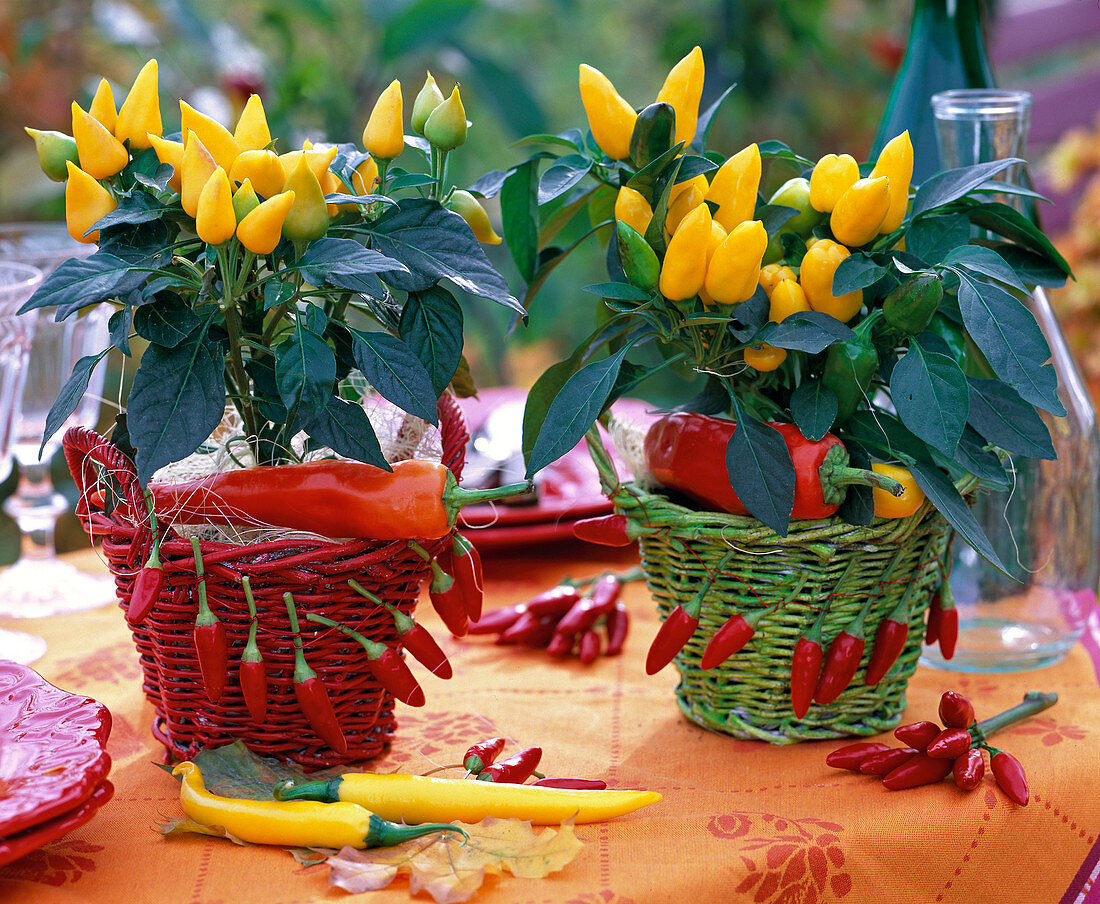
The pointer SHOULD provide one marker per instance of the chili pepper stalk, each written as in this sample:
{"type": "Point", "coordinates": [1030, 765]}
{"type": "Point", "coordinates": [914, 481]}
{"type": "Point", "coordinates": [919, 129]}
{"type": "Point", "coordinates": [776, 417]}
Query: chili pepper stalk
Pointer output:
{"type": "Point", "coordinates": [311, 691]}
{"type": "Point", "coordinates": [211, 645]}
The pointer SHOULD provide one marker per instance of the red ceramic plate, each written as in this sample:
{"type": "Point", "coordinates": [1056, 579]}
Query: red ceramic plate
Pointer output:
{"type": "Point", "coordinates": [33, 838]}
{"type": "Point", "coordinates": [52, 753]}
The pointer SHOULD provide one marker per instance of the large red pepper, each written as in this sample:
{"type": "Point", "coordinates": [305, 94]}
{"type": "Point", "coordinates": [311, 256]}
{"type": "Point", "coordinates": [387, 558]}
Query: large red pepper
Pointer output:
{"type": "Point", "coordinates": [806, 667]}
{"type": "Point", "coordinates": [253, 673]}
{"type": "Point", "coordinates": [416, 500]}
{"type": "Point", "coordinates": [211, 644]}
{"type": "Point", "coordinates": [311, 692]}
{"type": "Point", "coordinates": [687, 452]}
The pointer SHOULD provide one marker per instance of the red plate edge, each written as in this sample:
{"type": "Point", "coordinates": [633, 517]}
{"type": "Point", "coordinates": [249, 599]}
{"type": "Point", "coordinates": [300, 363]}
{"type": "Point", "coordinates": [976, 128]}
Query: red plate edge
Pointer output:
{"type": "Point", "coordinates": [32, 839]}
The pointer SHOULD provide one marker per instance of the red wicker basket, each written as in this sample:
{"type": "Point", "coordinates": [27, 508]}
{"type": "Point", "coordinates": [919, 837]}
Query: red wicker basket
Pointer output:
{"type": "Point", "coordinates": [315, 571]}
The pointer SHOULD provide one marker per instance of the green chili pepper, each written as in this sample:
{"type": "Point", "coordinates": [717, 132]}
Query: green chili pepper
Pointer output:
{"type": "Point", "coordinates": [638, 259]}
{"type": "Point", "coordinates": [911, 305]}
{"type": "Point", "coordinates": [654, 132]}
{"type": "Point", "coordinates": [849, 368]}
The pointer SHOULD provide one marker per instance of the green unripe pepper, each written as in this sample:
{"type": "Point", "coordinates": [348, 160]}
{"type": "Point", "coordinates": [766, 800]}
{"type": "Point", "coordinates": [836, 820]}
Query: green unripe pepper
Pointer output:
{"type": "Point", "coordinates": [796, 193]}
{"type": "Point", "coordinates": [54, 149]}
{"type": "Point", "coordinates": [849, 368]}
{"type": "Point", "coordinates": [910, 306]}
{"type": "Point", "coordinates": [654, 132]}
{"type": "Point", "coordinates": [446, 125]}
{"type": "Point", "coordinates": [426, 101]}
{"type": "Point", "coordinates": [638, 260]}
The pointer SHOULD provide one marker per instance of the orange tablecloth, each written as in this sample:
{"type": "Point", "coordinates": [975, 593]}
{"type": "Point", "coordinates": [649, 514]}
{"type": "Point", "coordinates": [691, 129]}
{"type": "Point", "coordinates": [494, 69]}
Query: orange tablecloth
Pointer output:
{"type": "Point", "coordinates": [740, 820]}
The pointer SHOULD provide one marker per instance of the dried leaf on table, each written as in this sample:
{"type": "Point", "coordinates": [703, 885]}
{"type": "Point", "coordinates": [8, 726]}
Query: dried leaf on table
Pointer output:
{"type": "Point", "coordinates": [235, 771]}
{"type": "Point", "coordinates": [181, 825]}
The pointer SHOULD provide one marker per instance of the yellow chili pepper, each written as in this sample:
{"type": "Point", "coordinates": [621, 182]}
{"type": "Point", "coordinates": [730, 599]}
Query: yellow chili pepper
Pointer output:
{"type": "Point", "coordinates": [860, 211]}
{"type": "Point", "coordinates": [331, 185]}
{"type": "Point", "coordinates": [684, 269]}
{"type": "Point", "coordinates": [297, 823]}
{"type": "Point", "coordinates": [610, 118]}
{"type": "Point", "coordinates": [101, 154]}
{"type": "Point", "coordinates": [319, 159]}
{"type": "Point", "coordinates": [766, 358]}
{"type": "Point", "coordinates": [772, 274]}
{"type": "Point", "coordinates": [308, 216]}
{"type": "Point", "coordinates": [102, 106]}
{"type": "Point", "coordinates": [895, 161]}
{"type": "Point", "coordinates": [816, 277]}
{"type": "Point", "coordinates": [244, 200]}
{"type": "Point", "coordinates": [364, 177]}
{"type": "Point", "coordinates": [419, 798]}
{"type": "Point", "coordinates": [195, 171]}
{"type": "Point", "coordinates": [714, 242]}
{"type": "Point", "coordinates": [633, 209]}
{"type": "Point", "coordinates": [889, 506]}
{"type": "Point", "coordinates": [262, 168]}
{"type": "Point", "coordinates": [86, 203]}
{"type": "Point", "coordinates": [215, 219]}
{"type": "Point", "coordinates": [262, 228]}
{"type": "Point", "coordinates": [252, 132]}
{"type": "Point", "coordinates": [216, 138]}
{"type": "Point", "coordinates": [170, 152]}
{"type": "Point", "coordinates": [683, 199]}
{"type": "Point", "coordinates": [683, 89]}
{"type": "Point", "coordinates": [384, 136]}
{"type": "Point", "coordinates": [446, 126]}
{"type": "Point", "coordinates": [55, 150]}
{"type": "Point", "coordinates": [427, 100]}
{"type": "Point", "coordinates": [734, 271]}
{"type": "Point", "coordinates": [734, 187]}
{"type": "Point", "coordinates": [469, 208]}
{"type": "Point", "coordinates": [833, 175]}
{"type": "Point", "coordinates": [787, 298]}
{"type": "Point", "coordinates": [139, 115]}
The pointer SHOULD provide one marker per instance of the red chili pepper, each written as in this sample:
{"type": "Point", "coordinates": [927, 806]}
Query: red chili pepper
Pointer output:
{"type": "Point", "coordinates": [147, 589]}
{"type": "Point", "coordinates": [497, 620]}
{"type": "Point", "coordinates": [956, 711]}
{"type": "Point", "coordinates": [515, 770]}
{"type": "Point", "coordinates": [586, 611]}
{"type": "Point", "coordinates": [851, 755]}
{"type": "Point", "coordinates": [920, 770]}
{"type": "Point", "coordinates": [806, 667]}
{"type": "Point", "coordinates": [311, 692]}
{"type": "Point", "coordinates": [482, 754]}
{"type": "Point", "coordinates": [887, 760]}
{"type": "Point", "coordinates": [968, 770]}
{"type": "Point", "coordinates": [253, 673]}
{"type": "Point", "coordinates": [729, 639]}
{"type": "Point", "coordinates": [553, 602]}
{"type": "Point", "coordinates": [211, 645]}
{"type": "Point", "coordinates": [687, 452]}
{"type": "Point", "coordinates": [948, 628]}
{"type": "Point", "coordinates": [671, 637]}
{"type": "Point", "coordinates": [1009, 775]}
{"type": "Point", "coordinates": [447, 595]}
{"type": "Point", "coordinates": [890, 638]}
{"type": "Point", "coordinates": [589, 650]}
{"type": "Point", "coordinates": [529, 630]}
{"type": "Point", "coordinates": [468, 575]}
{"type": "Point", "coordinates": [579, 784]}
{"type": "Point", "coordinates": [950, 743]}
{"type": "Point", "coordinates": [842, 660]}
{"type": "Point", "coordinates": [917, 734]}
{"type": "Point", "coordinates": [617, 622]}
{"type": "Point", "coordinates": [419, 642]}
{"type": "Point", "coordinates": [932, 628]}
{"type": "Point", "coordinates": [607, 530]}
{"type": "Point", "coordinates": [561, 645]}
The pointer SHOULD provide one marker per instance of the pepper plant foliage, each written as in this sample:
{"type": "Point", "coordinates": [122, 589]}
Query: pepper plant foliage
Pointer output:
{"type": "Point", "coordinates": [941, 367]}
{"type": "Point", "coordinates": [281, 336]}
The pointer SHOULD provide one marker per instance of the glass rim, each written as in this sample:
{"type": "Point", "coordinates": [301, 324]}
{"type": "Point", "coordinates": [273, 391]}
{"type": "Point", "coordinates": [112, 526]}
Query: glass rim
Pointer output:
{"type": "Point", "coordinates": [26, 277]}
{"type": "Point", "coordinates": [980, 103]}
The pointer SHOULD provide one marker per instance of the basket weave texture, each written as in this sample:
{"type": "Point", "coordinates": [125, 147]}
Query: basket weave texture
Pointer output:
{"type": "Point", "coordinates": [314, 570]}
{"type": "Point", "coordinates": [743, 566]}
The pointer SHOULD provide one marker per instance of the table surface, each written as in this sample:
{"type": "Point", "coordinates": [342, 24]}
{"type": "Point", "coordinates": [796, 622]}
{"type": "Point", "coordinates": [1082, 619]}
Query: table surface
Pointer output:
{"type": "Point", "coordinates": [740, 820]}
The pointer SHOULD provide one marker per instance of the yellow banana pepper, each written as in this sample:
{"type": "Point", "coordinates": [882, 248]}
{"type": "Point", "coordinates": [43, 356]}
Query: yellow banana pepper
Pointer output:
{"type": "Point", "coordinates": [895, 161]}
{"type": "Point", "coordinates": [262, 168]}
{"type": "Point", "coordinates": [195, 171]}
{"type": "Point", "coordinates": [420, 798]}
{"type": "Point", "coordinates": [772, 274]}
{"type": "Point", "coordinates": [684, 269]}
{"type": "Point", "coordinates": [734, 187]}
{"type": "Point", "coordinates": [683, 88]}
{"type": "Point", "coordinates": [252, 132]}
{"type": "Point", "coordinates": [139, 115]}
{"type": "Point", "coordinates": [102, 106]}
{"type": "Point", "coordinates": [244, 200]}
{"type": "Point", "coordinates": [610, 118]}
{"type": "Point", "coordinates": [216, 138]}
{"type": "Point", "coordinates": [55, 150]}
{"type": "Point", "coordinates": [816, 277]}
{"type": "Point", "coordinates": [860, 211]}
{"type": "Point", "coordinates": [299, 823]}
{"type": "Point", "coordinates": [426, 101]}
{"type": "Point", "coordinates": [215, 219]}
{"type": "Point", "coordinates": [684, 198]}
{"type": "Point", "coordinates": [101, 154]}
{"type": "Point", "coordinates": [833, 175]}
{"type": "Point", "coordinates": [446, 126]}
{"type": "Point", "coordinates": [734, 270]}
{"type": "Point", "coordinates": [86, 203]}
{"type": "Point", "coordinates": [766, 358]}
{"type": "Point", "coordinates": [787, 298]}
{"type": "Point", "coordinates": [383, 135]}
{"type": "Point", "coordinates": [469, 208]}
{"type": "Point", "coordinates": [307, 218]}
{"type": "Point", "coordinates": [888, 505]}
{"type": "Point", "coordinates": [633, 209]}
{"type": "Point", "coordinates": [262, 228]}
{"type": "Point", "coordinates": [170, 152]}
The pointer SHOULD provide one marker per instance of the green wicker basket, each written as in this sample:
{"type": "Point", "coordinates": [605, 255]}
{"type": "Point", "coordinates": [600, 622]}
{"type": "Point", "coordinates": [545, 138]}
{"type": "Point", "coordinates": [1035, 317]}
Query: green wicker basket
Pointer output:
{"type": "Point", "coordinates": [742, 565]}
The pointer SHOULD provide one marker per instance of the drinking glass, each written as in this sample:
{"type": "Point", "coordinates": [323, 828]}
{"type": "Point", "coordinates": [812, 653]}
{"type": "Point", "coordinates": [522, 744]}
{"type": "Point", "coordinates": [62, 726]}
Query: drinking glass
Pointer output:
{"type": "Point", "coordinates": [17, 283]}
{"type": "Point", "coordinates": [40, 584]}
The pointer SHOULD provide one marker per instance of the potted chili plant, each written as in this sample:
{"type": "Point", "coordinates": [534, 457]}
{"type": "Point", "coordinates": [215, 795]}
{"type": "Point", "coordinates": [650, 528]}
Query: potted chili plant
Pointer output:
{"type": "Point", "coordinates": [274, 290]}
{"type": "Point", "coordinates": [858, 364]}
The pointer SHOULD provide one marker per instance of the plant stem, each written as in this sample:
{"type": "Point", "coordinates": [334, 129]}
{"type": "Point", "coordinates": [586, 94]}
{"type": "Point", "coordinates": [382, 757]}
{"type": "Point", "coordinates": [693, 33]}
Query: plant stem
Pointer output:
{"type": "Point", "coordinates": [236, 361]}
{"type": "Point", "coordinates": [1033, 702]}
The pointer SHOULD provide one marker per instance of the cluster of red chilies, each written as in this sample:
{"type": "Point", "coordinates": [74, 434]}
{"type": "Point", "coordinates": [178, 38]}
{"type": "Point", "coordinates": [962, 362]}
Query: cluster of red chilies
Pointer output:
{"type": "Point", "coordinates": [563, 621]}
{"type": "Point", "coordinates": [934, 751]}
{"type": "Point", "coordinates": [480, 761]}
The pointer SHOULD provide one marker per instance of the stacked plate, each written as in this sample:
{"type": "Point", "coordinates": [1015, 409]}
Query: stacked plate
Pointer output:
{"type": "Point", "coordinates": [53, 761]}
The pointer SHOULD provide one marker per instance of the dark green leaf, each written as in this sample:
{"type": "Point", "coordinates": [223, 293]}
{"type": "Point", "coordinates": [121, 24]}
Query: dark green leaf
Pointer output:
{"type": "Point", "coordinates": [858, 507]}
{"type": "Point", "coordinates": [139, 207]}
{"type": "Point", "coordinates": [265, 388]}
{"type": "Point", "coordinates": [564, 140]}
{"type": "Point", "coordinates": [814, 408]}
{"type": "Point", "coordinates": [431, 325]}
{"type": "Point", "coordinates": [776, 216]}
{"type": "Point", "coordinates": [561, 176]}
{"type": "Point", "coordinates": [157, 180]}
{"type": "Point", "coordinates": [520, 217]}
{"type": "Point", "coordinates": [706, 120]}
{"type": "Point", "coordinates": [344, 427]}
{"type": "Point", "coordinates": [662, 189]}
{"type": "Point", "coordinates": [1010, 339]}
{"type": "Point", "coordinates": [1013, 225]}
{"type": "Point", "coordinates": [933, 238]}
{"type": "Point", "coordinates": [70, 395]}
{"type": "Point", "coordinates": [490, 184]}
{"type": "Point", "coordinates": [857, 271]}
{"type": "Point", "coordinates": [549, 260]}
{"type": "Point", "coordinates": [693, 166]}
{"type": "Point", "coordinates": [344, 263]}
{"type": "Point", "coordinates": [806, 331]}
{"type": "Point", "coordinates": [1033, 269]}
{"type": "Point", "coordinates": [305, 370]}
{"type": "Point", "coordinates": [620, 291]}
{"type": "Point", "coordinates": [886, 435]}
{"type": "Point", "coordinates": [931, 396]}
{"type": "Point", "coordinates": [712, 399]}
{"type": "Point", "coordinates": [119, 328]}
{"type": "Point", "coordinates": [79, 282]}
{"type": "Point", "coordinates": [777, 150]}
{"type": "Point", "coordinates": [983, 463]}
{"type": "Point", "coordinates": [277, 293]}
{"type": "Point", "coordinates": [999, 414]}
{"type": "Point", "coordinates": [167, 321]}
{"type": "Point", "coordinates": [760, 470]}
{"type": "Point", "coordinates": [950, 185]}
{"type": "Point", "coordinates": [395, 371]}
{"type": "Point", "coordinates": [753, 314]}
{"type": "Point", "coordinates": [657, 174]}
{"type": "Point", "coordinates": [983, 261]}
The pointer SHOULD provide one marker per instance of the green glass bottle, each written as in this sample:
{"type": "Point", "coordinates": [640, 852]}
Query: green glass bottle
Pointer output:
{"type": "Point", "coordinates": [946, 50]}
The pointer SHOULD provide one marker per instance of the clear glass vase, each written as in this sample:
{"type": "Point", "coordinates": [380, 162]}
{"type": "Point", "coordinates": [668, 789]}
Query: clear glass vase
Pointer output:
{"type": "Point", "coordinates": [1046, 527]}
